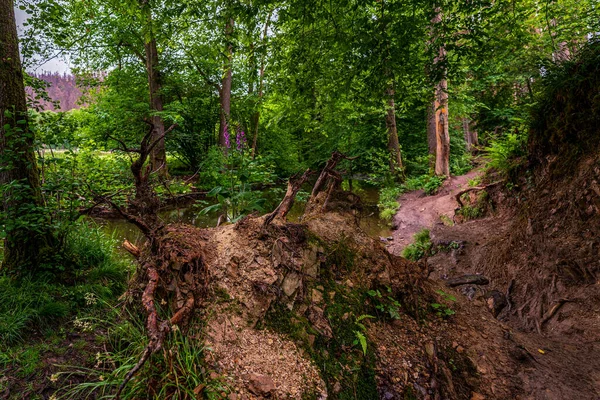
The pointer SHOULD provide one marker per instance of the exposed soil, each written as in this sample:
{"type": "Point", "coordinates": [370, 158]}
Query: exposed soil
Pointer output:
{"type": "Point", "coordinates": [418, 211]}
{"type": "Point", "coordinates": [528, 352]}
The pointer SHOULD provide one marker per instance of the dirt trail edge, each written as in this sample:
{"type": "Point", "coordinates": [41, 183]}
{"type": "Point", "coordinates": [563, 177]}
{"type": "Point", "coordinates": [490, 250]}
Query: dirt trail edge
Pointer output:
{"type": "Point", "coordinates": [516, 362]}
{"type": "Point", "coordinates": [418, 211]}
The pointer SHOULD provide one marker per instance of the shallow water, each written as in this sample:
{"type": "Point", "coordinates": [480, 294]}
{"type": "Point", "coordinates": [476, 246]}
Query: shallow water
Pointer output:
{"type": "Point", "coordinates": [190, 214]}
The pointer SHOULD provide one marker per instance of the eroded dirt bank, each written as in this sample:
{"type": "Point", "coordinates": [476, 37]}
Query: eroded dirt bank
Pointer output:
{"type": "Point", "coordinates": [539, 251]}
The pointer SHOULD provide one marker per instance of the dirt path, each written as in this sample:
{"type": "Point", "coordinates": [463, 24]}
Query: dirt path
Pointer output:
{"type": "Point", "coordinates": [515, 362]}
{"type": "Point", "coordinates": [418, 211]}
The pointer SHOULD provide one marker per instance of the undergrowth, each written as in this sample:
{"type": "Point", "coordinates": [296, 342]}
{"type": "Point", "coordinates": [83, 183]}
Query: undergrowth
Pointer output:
{"type": "Point", "coordinates": [420, 248]}
{"type": "Point", "coordinates": [33, 303]}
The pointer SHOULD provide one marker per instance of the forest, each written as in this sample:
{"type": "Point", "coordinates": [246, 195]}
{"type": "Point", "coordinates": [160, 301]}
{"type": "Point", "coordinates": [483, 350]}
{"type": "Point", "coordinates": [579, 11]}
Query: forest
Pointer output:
{"type": "Point", "coordinates": [300, 199]}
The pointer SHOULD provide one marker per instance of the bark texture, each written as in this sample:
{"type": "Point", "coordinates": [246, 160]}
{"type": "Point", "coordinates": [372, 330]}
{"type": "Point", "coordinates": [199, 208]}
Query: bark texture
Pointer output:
{"type": "Point", "coordinates": [225, 91]}
{"type": "Point", "coordinates": [471, 140]}
{"type": "Point", "coordinates": [17, 160]}
{"type": "Point", "coordinates": [261, 81]}
{"type": "Point", "coordinates": [437, 130]}
{"type": "Point", "coordinates": [442, 135]}
{"type": "Point", "coordinates": [390, 123]}
{"type": "Point", "coordinates": [158, 158]}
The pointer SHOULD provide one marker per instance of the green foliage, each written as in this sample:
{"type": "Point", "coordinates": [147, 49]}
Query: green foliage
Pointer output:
{"type": "Point", "coordinates": [386, 304]}
{"type": "Point", "coordinates": [35, 302]}
{"type": "Point", "coordinates": [420, 248]}
{"type": "Point", "coordinates": [174, 373]}
{"type": "Point", "coordinates": [477, 209]}
{"type": "Point", "coordinates": [234, 195]}
{"type": "Point", "coordinates": [565, 121]}
{"type": "Point", "coordinates": [442, 309]}
{"type": "Point", "coordinates": [345, 357]}
{"type": "Point", "coordinates": [506, 153]}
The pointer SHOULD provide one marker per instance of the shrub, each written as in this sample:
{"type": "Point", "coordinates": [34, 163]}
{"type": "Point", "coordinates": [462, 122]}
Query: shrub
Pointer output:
{"type": "Point", "coordinates": [420, 248]}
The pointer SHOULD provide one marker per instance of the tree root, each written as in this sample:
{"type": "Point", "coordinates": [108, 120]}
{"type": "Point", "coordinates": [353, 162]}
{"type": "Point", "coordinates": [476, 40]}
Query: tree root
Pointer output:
{"type": "Point", "coordinates": [553, 311]}
{"type": "Point", "coordinates": [471, 189]}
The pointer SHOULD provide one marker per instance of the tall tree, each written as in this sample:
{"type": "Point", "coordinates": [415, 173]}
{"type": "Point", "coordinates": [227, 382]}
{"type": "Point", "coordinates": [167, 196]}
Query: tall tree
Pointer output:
{"type": "Point", "coordinates": [438, 129]}
{"type": "Point", "coordinates": [158, 157]}
{"type": "Point", "coordinates": [19, 175]}
{"type": "Point", "coordinates": [225, 90]}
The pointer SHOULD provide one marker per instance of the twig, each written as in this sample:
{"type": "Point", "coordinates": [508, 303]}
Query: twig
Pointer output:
{"type": "Point", "coordinates": [554, 310]}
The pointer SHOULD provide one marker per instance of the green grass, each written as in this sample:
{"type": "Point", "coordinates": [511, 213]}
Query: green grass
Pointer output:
{"type": "Point", "coordinates": [33, 304]}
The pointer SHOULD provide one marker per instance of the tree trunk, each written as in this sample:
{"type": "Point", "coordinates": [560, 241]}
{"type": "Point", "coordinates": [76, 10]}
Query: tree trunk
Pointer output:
{"type": "Point", "coordinates": [470, 134]}
{"type": "Point", "coordinates": [158, 157]}
{"type": "Point", "coordinates": [18, 165]}
{"type": "Point", "coordinates": [390, 123]}
{"type": "Point", "coordinates": [438, 117]}
{"type": "Point", "coordinates": [442, 150]}
{"type": "Point", "coordinates": [431, 135]}
{"type": "Point", "coordinates": [261, 80]}
{"type": "Point", "coordinates": [225, 92]}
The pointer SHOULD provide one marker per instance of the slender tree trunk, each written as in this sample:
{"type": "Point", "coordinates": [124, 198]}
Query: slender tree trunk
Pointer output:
{"type": "Point", "coordinates": [261, 80]}
{"type": "Point", "coordinates": [438, 118]}
{"type": "Point", "coordinates": [431, 135]}
{"type": "Point", "coordinates": [470, 134]}
{"type": "Point", "coordinates": [390, 123]}
{"type": "Point", "coordinates": [18, 166]}
{"type": "Point", "coordinates": [225, 92]}
{"type": "Point", "coordinates": [467, 134]}
{"type": "Point", "coordinates": [158, 157]}
{"type": "Point", "coordinates": [442, 149]}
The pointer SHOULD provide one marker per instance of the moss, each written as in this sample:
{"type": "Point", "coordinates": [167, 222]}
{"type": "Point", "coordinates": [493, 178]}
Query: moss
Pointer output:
{"type": "Point", "coordinates": [339, 359]}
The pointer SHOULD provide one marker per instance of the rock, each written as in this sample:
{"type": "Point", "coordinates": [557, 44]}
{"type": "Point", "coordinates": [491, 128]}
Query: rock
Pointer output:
{"type": "Point", "coordinates": [460, 349]}
{"type": "Point", "coordinates": [317, 296]}
{"type": "Point", "coordinates": [467, 280]}
{"type": "Point", "coordinates": [495, 301]}
{"type": "Point", "coordinates": [317, 318]}
{"type": "Point", "coordinates": [291, 283]}
{"type": "Point", "coordinates": [261, 385]}
{"type": "Point", "coordinates": [477, 396]}
{"type": "Point", "coordinates": [430, 349]}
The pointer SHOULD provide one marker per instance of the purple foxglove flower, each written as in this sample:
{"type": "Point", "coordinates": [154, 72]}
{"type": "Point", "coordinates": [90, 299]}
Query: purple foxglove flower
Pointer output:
{"type": "Point", "coordinates": [226, 136]}
{"type": "Point", "coordinates": [240, 139]}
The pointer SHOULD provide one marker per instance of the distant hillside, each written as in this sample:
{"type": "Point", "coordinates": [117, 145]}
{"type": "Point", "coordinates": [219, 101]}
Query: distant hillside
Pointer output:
{"type": "Point", "coordinates": [62, 89]}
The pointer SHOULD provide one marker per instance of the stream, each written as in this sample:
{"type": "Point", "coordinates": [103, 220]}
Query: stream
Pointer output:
{"type": "Point", "coordinates": [191, 214]}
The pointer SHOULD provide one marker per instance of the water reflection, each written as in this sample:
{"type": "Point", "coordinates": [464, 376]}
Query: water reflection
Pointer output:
{"type": "Point", "coordinates": [191, 214]}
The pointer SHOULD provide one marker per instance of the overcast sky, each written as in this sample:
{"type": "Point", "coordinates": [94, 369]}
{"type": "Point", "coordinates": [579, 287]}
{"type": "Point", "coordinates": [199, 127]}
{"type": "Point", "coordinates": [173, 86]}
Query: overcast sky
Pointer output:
{"type": "Point", "coordinates": [55, 65]}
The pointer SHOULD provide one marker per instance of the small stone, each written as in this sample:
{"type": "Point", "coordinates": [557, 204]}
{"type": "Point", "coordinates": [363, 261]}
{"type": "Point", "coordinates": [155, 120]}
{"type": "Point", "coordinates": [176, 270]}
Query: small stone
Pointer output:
{"type": "Point", "coordinates": [460, 349]}
{"type": "Point", "coordinates": [454, 345]}
{"type": "Point", "coordinates": [317, 296]}
{"type": "Point", "coordinates": [349, 283]}
{"type": "Point", "coordinates": [261, 385]}
{"type": "Point", "coordinates": [477, 396]}
{"type": "Point", "coordinates": [430, 349]}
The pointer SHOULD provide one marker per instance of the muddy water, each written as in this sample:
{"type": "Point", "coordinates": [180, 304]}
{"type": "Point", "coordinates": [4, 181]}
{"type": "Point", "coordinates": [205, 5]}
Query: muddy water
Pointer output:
{"type": "Point", "coordinates": [191, 214]}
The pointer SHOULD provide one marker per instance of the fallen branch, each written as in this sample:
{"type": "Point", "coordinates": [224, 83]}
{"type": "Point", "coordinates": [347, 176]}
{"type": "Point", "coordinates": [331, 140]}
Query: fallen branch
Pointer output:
{"type": "Point", "coordinates": [467, 280]}
{"type": "Point", "coordinates": [131, 248]}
